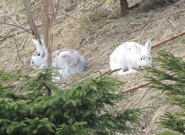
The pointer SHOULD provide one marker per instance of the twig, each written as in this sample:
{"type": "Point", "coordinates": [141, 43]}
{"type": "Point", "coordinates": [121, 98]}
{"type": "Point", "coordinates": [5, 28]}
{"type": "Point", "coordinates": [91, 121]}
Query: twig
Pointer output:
{"type": "Point", "coordinates": [35, 5]}
{"type": "Point", "coordinates": [5, 19]}
{"type": "Point", "coordinates": [8, 36]}
{"type": "Point", "coordinates": [57, 8]}
{"type": "Point", "coordinates": [17, 26]}
{"type": "Point", "coordinates": [4, 3]}
{"type": "Point", "coordinates": [17, 51]}
{"type": "Point", "coordinates": [19, 32]}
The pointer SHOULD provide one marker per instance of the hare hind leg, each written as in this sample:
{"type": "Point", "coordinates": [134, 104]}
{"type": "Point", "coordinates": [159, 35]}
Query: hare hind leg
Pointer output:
{"type": "Point", "coordinates": [125, 71]}
{"type": "Point", "coordinates": [117, 67]}
{"type": "Point", "coordinates": [121, 72]}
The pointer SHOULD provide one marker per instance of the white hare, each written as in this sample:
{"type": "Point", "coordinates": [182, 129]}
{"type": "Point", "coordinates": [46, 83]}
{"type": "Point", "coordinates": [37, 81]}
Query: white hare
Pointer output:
{"type": "Point", "coordinates": [66, 62]}
{"type": "Point", "coordinates": [130, 57]}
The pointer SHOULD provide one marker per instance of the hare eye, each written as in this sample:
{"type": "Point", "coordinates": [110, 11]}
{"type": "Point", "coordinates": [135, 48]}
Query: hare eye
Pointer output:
{"type": "Point", "coordinates": [141, 58]}
{"type": "Point", "coordinates": [38, 54]}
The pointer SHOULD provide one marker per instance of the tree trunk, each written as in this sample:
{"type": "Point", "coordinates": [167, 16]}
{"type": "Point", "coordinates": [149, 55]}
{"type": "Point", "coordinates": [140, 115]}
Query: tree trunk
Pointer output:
{"type": "Point", "coordinates": [48, 21]}
{"type": "Point", "coordinates": [124, 7]}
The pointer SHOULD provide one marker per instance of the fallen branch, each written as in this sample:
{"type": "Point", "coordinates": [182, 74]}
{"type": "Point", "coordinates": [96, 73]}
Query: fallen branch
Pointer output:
{"type": "Point", "coordinates": [141, 85]}
{"type": "Point", "coordinates": [169, 39]}
{"type": "Point", "coordinates": [135, 87]}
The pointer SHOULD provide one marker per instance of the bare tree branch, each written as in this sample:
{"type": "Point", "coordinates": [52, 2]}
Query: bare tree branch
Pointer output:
{"type": "Point", "coordinates": [31, 19]}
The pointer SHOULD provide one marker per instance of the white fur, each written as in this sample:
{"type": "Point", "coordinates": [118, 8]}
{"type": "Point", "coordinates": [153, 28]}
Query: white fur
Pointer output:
{"type": "Point", "coordinates": [64, 62]}
{"type": "Point", "coordinates": [130, 57]}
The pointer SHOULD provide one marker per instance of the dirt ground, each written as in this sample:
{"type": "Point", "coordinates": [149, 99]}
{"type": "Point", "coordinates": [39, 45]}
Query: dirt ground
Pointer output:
{"type": "Point", "coordinates": [95, 30]}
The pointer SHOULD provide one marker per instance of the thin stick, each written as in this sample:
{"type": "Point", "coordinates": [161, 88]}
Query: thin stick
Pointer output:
{"type": "Point", "coordinates": [10, 14]}
{"type": "Point", "coordinates": [11, 35]}
{"type": "Point", "coordinates": [25, 29]}
{"type": "Point", "coordinates": [56, 11]}
{"type": "Point", "coordinates": [17, 51]}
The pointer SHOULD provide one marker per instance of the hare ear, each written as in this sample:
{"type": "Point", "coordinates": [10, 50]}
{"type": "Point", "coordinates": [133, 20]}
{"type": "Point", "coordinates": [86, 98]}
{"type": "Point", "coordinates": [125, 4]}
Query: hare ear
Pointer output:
{"type": "Point", "coordinates": [38, 45]}
{"type": "Point", "coordinates": [148, 46]}
{"type": "Point", "coordinates": [43, 44]}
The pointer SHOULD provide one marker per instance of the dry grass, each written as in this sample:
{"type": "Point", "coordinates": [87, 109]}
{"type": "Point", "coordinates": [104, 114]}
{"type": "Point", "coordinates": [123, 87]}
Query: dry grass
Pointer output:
{"type": "Point", "coordinates": [94, 29]}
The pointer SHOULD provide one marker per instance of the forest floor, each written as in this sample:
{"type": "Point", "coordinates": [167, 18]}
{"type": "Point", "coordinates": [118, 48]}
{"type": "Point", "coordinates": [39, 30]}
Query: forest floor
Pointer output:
{"type": "Point", "coordinates": [95, 29]}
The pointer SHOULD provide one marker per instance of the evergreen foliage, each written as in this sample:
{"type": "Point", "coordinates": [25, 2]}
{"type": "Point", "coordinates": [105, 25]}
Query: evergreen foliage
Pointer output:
{"type": "Point", "coordinates": [79, 110]}
{"type": "Point", "coordinates": [173, 86]}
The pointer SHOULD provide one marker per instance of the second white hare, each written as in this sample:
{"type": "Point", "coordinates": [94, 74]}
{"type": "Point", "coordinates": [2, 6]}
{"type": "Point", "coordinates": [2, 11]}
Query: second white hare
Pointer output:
{"type": "Point", "coordinates": [67, 62]}
{"type": "Point", "coordinates": [130, 57]}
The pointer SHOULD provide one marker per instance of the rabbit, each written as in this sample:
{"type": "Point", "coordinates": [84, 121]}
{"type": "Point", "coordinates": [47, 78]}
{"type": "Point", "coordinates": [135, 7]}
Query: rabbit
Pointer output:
{"type": "Point", "coordinates": [65, 62]}
{"type": "Point", "coordinates": [130, 57]}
